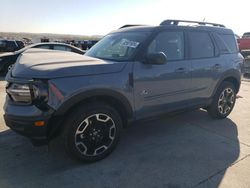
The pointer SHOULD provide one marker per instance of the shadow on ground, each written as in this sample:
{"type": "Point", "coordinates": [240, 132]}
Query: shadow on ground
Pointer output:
{"type": "Point", "coordinates": [183, 150]}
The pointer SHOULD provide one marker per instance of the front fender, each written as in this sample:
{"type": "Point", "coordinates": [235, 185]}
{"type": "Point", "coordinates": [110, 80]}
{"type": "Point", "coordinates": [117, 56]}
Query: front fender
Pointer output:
{"type": "Point", "coordinates": [80, 97]}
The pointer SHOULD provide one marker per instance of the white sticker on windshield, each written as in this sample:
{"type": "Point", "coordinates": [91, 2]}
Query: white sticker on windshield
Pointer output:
{"type": "Point", "coordinates": [128, 43]}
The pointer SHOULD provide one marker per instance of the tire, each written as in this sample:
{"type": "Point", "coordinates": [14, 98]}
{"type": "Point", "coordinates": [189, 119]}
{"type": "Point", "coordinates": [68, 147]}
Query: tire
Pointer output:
{"type": "Point", "coordinates": [92, 132]}
{"type": "Point", "coordinates": [223, 101]}
{"type": "Point", "coordinates": [7, 68]}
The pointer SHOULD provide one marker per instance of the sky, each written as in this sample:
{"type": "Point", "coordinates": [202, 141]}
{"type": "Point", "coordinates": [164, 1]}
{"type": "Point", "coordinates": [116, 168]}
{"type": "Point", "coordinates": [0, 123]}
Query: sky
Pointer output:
{"type": "Point", "coordinates": [99, 17]}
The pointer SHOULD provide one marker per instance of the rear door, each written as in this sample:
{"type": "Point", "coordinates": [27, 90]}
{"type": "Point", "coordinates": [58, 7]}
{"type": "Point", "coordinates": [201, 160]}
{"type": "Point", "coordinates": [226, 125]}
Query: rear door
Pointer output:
{"type": "Point", "coordinates": [160, 88]}
{"type": "Point", "coordinates": [205, 63]}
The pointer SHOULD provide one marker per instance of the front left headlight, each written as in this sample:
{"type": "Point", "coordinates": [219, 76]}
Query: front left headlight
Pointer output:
{"type": "Point", "coordinates": [27, 93]}
{"type": "Point", "coordinates": [19, 92]}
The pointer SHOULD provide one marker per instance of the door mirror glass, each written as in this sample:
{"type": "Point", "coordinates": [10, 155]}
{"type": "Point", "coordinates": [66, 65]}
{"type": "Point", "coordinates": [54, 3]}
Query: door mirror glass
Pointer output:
{"type": "Point", "coordinates": [156, 58]}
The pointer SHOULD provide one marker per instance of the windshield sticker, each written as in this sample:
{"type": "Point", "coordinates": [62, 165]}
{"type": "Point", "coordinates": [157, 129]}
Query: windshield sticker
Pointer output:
{"type": "Point", "coordinates": [128, 43]}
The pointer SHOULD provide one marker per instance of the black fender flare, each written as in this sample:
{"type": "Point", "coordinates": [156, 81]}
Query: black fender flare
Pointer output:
{"type": "Point", "coordinates": [235, 74]}
{"type": "Point", "coordinates": [76, 99]}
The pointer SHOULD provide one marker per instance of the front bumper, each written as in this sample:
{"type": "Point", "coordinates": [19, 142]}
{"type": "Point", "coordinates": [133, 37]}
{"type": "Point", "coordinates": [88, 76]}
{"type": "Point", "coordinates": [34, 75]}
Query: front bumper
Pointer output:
{"type": "Point", "coordinates": [26, 126]}
{"type": "Point", "coordinates": [22, 118]}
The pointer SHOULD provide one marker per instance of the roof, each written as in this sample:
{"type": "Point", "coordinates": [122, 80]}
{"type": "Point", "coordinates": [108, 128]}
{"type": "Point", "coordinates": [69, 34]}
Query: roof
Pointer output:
{"type": "Point", "coordinates": [173, 24]}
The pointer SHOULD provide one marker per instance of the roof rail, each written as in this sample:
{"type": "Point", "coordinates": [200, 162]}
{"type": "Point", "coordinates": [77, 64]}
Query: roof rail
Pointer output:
{"type": "Point", "coordinates": [176, 22]}
{"type": "Point", "coordinates": [128, 25]}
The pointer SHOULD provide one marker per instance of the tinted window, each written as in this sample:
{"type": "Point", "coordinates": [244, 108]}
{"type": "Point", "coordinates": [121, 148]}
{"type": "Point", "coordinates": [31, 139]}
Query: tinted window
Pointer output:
{"type": "Point", "coordinates": [170, 43]}
{"type": "Point", "coordinates": [11, 46]}
{"type": "Point", "coordinates": [20, 44]}
{"type": "Point", "coordinates": [62, 48]}
{"type": "Point", "coordinates": [226, 43]}
{"type": "Point", "coordinates": [2, 46]}
{"type": "Point", "coordinates": [43, 46]}
{"type": "Point", "coordinates": [200, 45]}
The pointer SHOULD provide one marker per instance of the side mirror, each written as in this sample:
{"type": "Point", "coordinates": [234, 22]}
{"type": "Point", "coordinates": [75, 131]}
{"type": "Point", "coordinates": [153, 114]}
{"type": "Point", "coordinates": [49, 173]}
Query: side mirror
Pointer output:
{"type": "Point", "coordinates": [156, 58]}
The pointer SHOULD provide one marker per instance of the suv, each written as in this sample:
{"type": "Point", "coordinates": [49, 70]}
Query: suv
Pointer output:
{"type": "Point", "coordinates": [132, 73]}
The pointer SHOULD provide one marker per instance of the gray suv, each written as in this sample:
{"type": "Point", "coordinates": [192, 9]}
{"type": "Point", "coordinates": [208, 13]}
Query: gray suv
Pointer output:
{"type": "Point", "coordinates": [133, 73]}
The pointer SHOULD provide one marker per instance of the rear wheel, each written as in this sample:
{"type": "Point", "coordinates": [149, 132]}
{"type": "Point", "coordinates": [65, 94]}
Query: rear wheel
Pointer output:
{"type": "Point", "coordinates": [223, 101]}
{"type": "Point", "coordinates": [92, 132]}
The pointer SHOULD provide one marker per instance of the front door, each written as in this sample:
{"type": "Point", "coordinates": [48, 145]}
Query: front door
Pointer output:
{"type": "Point", "coordinates": [160, 88]}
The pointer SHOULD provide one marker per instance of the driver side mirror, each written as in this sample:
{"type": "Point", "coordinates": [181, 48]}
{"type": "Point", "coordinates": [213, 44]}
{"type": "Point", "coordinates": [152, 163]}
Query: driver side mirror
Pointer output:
{"type": "Point", "coordinates": [156, 58]}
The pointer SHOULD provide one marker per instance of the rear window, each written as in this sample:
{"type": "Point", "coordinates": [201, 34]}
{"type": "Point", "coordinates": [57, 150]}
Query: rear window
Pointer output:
{"type": "Point", "coordinates": [62, 48]}
{"type": "Point", "coordinates": [42, 46]}
{"type": "Point", "coordinates": [226, 43]}
{"type": "Point", "coordinates": [201, 45]}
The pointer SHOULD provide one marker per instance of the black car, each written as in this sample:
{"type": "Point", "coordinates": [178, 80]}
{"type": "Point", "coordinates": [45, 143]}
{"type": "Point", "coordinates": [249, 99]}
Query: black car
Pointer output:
{"type": "Point", "coordinates": [8, 59]}
{"type": "Point", "coordinates": [10, 45]}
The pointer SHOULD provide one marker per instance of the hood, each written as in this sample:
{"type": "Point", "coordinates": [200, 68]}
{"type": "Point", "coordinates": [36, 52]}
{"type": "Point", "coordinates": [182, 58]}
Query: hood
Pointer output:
{"type": "Point", "coordinates": [40, 63]}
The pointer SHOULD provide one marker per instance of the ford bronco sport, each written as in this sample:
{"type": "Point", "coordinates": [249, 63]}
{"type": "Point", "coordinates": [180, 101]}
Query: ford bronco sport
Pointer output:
{"type": "Point", "coordinates": [132, 73]}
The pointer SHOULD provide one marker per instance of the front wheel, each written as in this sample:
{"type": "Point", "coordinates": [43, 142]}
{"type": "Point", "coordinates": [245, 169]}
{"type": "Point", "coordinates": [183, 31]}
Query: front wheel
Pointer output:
{"type": "Point", "coordinates": [7, 68]}
{"type": "Point", "coordinates": [223, 101]}
{"type": "Point", "coordinates": [92, 132]}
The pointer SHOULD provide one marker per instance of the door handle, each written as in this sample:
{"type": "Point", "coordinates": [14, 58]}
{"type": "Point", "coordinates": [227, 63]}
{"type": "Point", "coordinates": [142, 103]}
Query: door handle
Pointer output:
{"type": "Point", "coordinates": [217, 66]}
{"type": "Point", "coordinates": [181, 70]}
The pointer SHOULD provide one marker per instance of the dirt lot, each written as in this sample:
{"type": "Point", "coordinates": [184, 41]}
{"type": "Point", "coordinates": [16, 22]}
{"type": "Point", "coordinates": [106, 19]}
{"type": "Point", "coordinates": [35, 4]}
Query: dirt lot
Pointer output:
{"type": "Point", "coordinates": [184, 150]}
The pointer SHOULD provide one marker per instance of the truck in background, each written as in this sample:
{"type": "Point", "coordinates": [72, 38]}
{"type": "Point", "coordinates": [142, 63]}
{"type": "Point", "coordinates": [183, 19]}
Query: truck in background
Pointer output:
{"type": "Point", "coordinates": [244, 44]}
{"type": "Point", "coordinates": [244, 47]}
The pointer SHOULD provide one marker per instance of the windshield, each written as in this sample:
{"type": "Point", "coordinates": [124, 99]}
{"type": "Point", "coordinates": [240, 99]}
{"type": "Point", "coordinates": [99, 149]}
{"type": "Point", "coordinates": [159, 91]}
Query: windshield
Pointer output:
{"type": "Point", "coordinates": [118, 46]}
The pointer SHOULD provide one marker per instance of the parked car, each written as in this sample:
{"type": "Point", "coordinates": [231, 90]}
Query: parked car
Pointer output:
{"type": "Point", "coordinates": [10, 45]}
{"type": "Point", "coordinates": [7, 60]}
{"type": "Point", "coordinates": [87, 44]}
{"type": "Point", "coordinates": [131, 74]}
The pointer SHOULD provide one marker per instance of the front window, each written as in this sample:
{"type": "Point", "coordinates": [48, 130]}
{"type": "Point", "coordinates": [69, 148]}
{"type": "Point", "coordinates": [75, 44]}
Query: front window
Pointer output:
{"type": "Point", "coordinates": [170, 43]}
{"type": "Point", "coordinates": [118, 46]}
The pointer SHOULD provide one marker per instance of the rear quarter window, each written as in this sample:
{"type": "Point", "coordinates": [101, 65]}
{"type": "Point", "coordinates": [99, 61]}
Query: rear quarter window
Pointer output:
{"type": "Point", "coordinates": [226, 43]}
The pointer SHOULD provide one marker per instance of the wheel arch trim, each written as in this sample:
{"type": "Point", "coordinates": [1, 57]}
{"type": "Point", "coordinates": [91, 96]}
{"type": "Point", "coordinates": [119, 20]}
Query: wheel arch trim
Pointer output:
{"type": "Point", "coordinates": [231, 74]}
{"type": "Point", "coordinates": [80, 97]}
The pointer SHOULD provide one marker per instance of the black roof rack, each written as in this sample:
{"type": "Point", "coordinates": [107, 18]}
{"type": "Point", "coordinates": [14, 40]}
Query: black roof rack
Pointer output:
{"type": "Point", "coordinates": [176, 22]}
{"type": "Point", "coordinates": [129, 26]}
